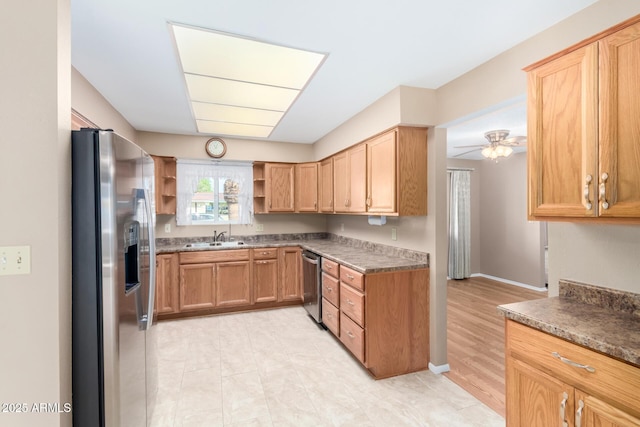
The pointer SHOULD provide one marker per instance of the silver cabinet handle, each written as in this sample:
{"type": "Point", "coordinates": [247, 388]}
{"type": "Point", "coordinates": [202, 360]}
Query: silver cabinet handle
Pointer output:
{"type": "Point", "coordinates": [330, 289]}
{"type": "Point", "coordinates": [603, 190]}
{"type": "Point", "coordinates": [579, 413]}
{"type": "Point", "coordinates": [572, 363]}
{"type": "Point", "coordinates": [587, 200]}
{"type": "Point", "coordinates": [350, 334]}
{"type": "Point", "coordinates": [349, 302]}
{"type": "Point", "coordinates": [350, 277]}
{"type": "Point", "coordinates": [563, 407]}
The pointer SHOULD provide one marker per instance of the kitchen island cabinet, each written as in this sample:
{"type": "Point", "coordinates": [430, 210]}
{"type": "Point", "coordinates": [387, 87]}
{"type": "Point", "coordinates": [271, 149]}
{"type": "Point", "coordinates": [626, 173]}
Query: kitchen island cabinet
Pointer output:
{"type": "Point", "coordinates": [583, 132]}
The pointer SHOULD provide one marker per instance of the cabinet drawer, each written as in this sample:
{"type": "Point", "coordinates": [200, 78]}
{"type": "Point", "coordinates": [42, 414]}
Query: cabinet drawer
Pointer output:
{"type": "Point", "coordinates": [331, 289]}
{"type": "Point", "coordinates": [352, 336]}
{"type": "Point", "coordinates": [331, 317]}
{"type": "Point", "coordinates": [265, 253]}
{"type": "Point", "coordinates": [201, 257]}
{"type": "Point", "coordinates": [331, 267]}
{"type": "Point", "coordinates": [352, 304]}
{"type": "Point", "coordinates": [352, 277]}
{"type": "Point", "coordinates": [612, 380]}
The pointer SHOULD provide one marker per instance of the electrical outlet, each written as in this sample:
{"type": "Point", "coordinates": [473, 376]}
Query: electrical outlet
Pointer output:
{"type": "Point", "coordinates": [259, 227]}
{"type": "Point", "coordinates": [342, 226]}
{"type": "Point", "coordinates": [167, 228]}
{"type": "Point", "coordinates": [15, 260]}
{"type": "Point", "coordinates": [394, 233]}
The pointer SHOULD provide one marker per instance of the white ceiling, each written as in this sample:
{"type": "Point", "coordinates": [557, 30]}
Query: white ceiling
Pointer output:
{"type": "Point", "coordinates": [124, 48]}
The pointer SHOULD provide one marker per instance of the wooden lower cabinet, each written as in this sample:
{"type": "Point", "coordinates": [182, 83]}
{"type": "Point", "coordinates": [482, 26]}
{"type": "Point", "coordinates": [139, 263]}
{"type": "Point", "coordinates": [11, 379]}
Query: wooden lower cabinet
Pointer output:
{"type": "Point", "coordinates": [167, 284]}
{"type": "Point", "coordinates": [265, 280]}
{"type": "Point", "coordinates": [233, 285]}
{"type": "Point", "coordinates": [541, 390]}
{"type": "Point", "coordinates": [383, 318]}
{"type": "Point", "coordinates": [198, 283]}
{"type": "Point", "coordinates": [291, 279]}
{"type": "Point", "coordinates": [197, 287]}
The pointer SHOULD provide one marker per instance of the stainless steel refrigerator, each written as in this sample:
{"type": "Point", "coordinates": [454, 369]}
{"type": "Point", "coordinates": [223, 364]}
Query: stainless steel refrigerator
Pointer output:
{"type": "Point", "coordinates": [113, 284]}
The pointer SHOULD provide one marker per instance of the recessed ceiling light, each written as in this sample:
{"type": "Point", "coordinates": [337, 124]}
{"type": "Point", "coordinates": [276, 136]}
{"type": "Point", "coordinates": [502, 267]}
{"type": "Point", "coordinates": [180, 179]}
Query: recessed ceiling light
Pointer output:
{"type": "Point", "coordinates": [235, 75]}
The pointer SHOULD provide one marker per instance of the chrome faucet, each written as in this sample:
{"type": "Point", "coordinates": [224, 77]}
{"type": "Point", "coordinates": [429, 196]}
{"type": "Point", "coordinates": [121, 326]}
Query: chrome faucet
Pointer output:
{"type": "Point", "coordinates": [218, 237]}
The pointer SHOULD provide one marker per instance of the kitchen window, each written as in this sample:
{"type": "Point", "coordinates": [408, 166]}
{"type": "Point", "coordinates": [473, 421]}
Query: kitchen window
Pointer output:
{"type": "Point", "coordinates": [214, 192]}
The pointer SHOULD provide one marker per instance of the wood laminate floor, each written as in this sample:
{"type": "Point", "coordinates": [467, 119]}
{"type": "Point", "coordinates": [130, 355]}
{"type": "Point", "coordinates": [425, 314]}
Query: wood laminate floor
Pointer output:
{"type": "Point", "coordinates": [475, 335]}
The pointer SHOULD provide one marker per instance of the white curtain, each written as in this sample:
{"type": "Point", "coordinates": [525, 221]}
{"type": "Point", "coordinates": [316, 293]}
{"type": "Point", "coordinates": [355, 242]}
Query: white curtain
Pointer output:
{"type": "Point", "coordinates": [460, 224]}
{"type": "Point", "coordinates": [190, 172]}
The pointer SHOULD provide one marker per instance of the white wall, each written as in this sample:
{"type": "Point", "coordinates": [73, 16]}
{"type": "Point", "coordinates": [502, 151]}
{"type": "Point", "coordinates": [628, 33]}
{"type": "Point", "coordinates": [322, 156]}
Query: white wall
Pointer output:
{"type": "Point", "coordinates": [35, 189]}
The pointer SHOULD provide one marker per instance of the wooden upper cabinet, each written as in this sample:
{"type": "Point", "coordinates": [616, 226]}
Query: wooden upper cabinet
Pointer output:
{"type": "Point", "coordinates": [381, 173]}
{"type": "Point", "coordinates": [280, 187]}
{"type": "Point", "coordinates": [306, 187]}
{"type": "Point", "coordinates": [562, 135]}
{"type": "Point", "coordinates": [357, 165]}
{"type": "Point", "coordinates": [165, 184]}
{"type": "Point", "coordinates": [350, 180]}
{"type": "Point", "coordinates": [340, 182]}
{"type": "Point", "coordinates": [325, 185]}
{"type": "Point", "coordinates": [583, 131]}
{"type": "Point", "coordinates": [619, 136]}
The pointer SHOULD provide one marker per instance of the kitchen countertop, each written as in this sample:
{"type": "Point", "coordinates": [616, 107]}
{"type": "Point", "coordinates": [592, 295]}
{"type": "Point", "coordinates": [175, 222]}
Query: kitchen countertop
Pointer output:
{"type": "Point", "coordinates": [362, 259]}
{"type": "Point", "coordinates": [594, 317]}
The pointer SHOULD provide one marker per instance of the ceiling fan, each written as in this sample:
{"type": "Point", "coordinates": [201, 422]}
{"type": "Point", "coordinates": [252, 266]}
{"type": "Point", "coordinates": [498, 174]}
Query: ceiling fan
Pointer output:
{"type": "Point", "coordinates": [500, 145]}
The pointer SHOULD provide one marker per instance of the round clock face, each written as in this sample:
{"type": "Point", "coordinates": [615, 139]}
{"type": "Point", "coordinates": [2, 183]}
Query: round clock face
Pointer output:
{"type": "Point", "coordinates": [216, 147]}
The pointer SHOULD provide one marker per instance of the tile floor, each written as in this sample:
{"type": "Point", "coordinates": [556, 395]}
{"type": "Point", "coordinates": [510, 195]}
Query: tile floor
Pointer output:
{"type": "Point", "coordinates": [277, 368]}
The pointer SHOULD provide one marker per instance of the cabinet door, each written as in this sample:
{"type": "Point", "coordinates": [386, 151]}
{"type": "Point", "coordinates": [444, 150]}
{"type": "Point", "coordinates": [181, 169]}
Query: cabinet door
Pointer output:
{"type": "Point", "coordinates": [280, 187]}
{"type": "Point", "coordinates": [381, 174]}
{"type": "Point", "coordinates": [197, 287]}
{"type": "Point", "coordinates": [167, 284]}
{"type": "Point", "coordinates": [265, 280]}
{"type": "Point", "coordinates": [325, 181]}
{"type": "Point", "coordinates": [619, 174]}
{"type": "Point", "coordinates": [562, 120]}
{"type": "Point", "coordinates": [357, 165]}
{"type": "Point", "coordinates": [536, 399]}
{"type": "Point", "coordinates": [232, 284]}
{"type": "Point", "coordinates": [593, 412]}
{"type": "Point", "coordinates": [290, 281]}
{"type": "Point", "coordinates": [306, 187]}
{"type": "Point", "coordinates": [340, 182]}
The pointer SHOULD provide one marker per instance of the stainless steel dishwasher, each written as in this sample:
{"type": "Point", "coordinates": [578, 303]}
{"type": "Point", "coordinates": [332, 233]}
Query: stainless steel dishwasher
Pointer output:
{"type": "Point", "coordinates": [311, 268]}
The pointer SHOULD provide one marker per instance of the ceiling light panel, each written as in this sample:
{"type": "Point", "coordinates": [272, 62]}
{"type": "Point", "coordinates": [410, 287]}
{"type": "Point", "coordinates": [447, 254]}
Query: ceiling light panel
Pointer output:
{"type": "Point", "coordinates": [226, 56]}
{"type": "Point", "coordinates": [237, 129]}
{"type": "Point", "coordinates": [240, 85]}
{"type": "Point", "coordinates": [239, 94]}
{"type": "Point", "coordinates": [226, 113]}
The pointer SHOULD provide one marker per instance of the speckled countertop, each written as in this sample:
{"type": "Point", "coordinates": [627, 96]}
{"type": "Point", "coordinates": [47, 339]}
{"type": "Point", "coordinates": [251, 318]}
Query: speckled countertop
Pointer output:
{"type": "Point", "coordinates": [601, 319]}
{"type": "Point", "coordinates": [364, 257]}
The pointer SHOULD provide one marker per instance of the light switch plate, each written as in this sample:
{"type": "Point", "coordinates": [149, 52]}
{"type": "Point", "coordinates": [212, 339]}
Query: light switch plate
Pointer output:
{"type": "Point", "coordinates": [15, 260]}
{"type": "Point", "coordinates": [394, 233]}
{"type": "Point", "coordinates": [259, 227]}
{"type": "Point", "coordinates": [167, 228]}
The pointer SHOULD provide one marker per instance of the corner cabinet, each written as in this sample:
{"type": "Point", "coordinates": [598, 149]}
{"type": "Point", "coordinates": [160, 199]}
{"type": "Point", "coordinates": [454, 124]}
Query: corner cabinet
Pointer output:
{"type": "Point", "coordinates": [325, 185]}
{"type": "Point", "coordinates": [583, 132]}
{"type": "Point", "coordinates": [273, 187]}
{"type": "Point", "coordinates": [165, 184]}
{"type": "Point", "coordinates": [552, 382]}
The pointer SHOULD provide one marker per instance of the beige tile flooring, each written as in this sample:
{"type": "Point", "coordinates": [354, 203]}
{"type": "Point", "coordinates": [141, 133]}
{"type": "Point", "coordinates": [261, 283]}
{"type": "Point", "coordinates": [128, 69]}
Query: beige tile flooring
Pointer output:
{"type": "Point", "coordinates": [277, 368]}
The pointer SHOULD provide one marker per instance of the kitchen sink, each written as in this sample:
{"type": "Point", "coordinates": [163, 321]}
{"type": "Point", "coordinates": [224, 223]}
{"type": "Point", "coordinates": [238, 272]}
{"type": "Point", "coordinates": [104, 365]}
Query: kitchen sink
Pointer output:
{"type": "Point", "coordinates": [213, 244]}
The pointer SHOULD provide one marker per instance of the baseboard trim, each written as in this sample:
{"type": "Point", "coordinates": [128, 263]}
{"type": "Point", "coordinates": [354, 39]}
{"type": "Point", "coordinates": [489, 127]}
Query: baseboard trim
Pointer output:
{"type": "Point", "coordinates": [510, 282]}
{"type": "Point", "coordinates": [439, 369]}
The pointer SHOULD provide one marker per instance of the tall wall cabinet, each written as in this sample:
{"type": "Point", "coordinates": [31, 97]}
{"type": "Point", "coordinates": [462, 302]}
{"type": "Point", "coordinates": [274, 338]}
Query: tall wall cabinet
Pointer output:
{"type": "Point", "coordinates": [583, 129]}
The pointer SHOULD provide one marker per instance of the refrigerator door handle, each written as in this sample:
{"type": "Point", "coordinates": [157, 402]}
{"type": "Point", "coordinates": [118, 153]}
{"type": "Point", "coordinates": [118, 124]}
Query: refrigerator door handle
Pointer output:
{"type": "Point", "coordinates": [148, 317]}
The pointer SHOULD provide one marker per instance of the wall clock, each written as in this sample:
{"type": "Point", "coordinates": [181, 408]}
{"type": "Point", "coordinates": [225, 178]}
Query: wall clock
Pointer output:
{"type": "Point", "coordinates": [216, 147]}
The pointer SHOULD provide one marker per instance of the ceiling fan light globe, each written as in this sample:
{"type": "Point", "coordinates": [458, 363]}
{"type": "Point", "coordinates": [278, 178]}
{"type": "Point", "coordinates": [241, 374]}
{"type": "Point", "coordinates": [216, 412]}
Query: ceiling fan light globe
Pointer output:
{"type": "Point", "coordinates": [500, 151]}
{"type": "Point", "coordinates": [486, 152]}
{"type": "Point", "coordinates": [507, 151]}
